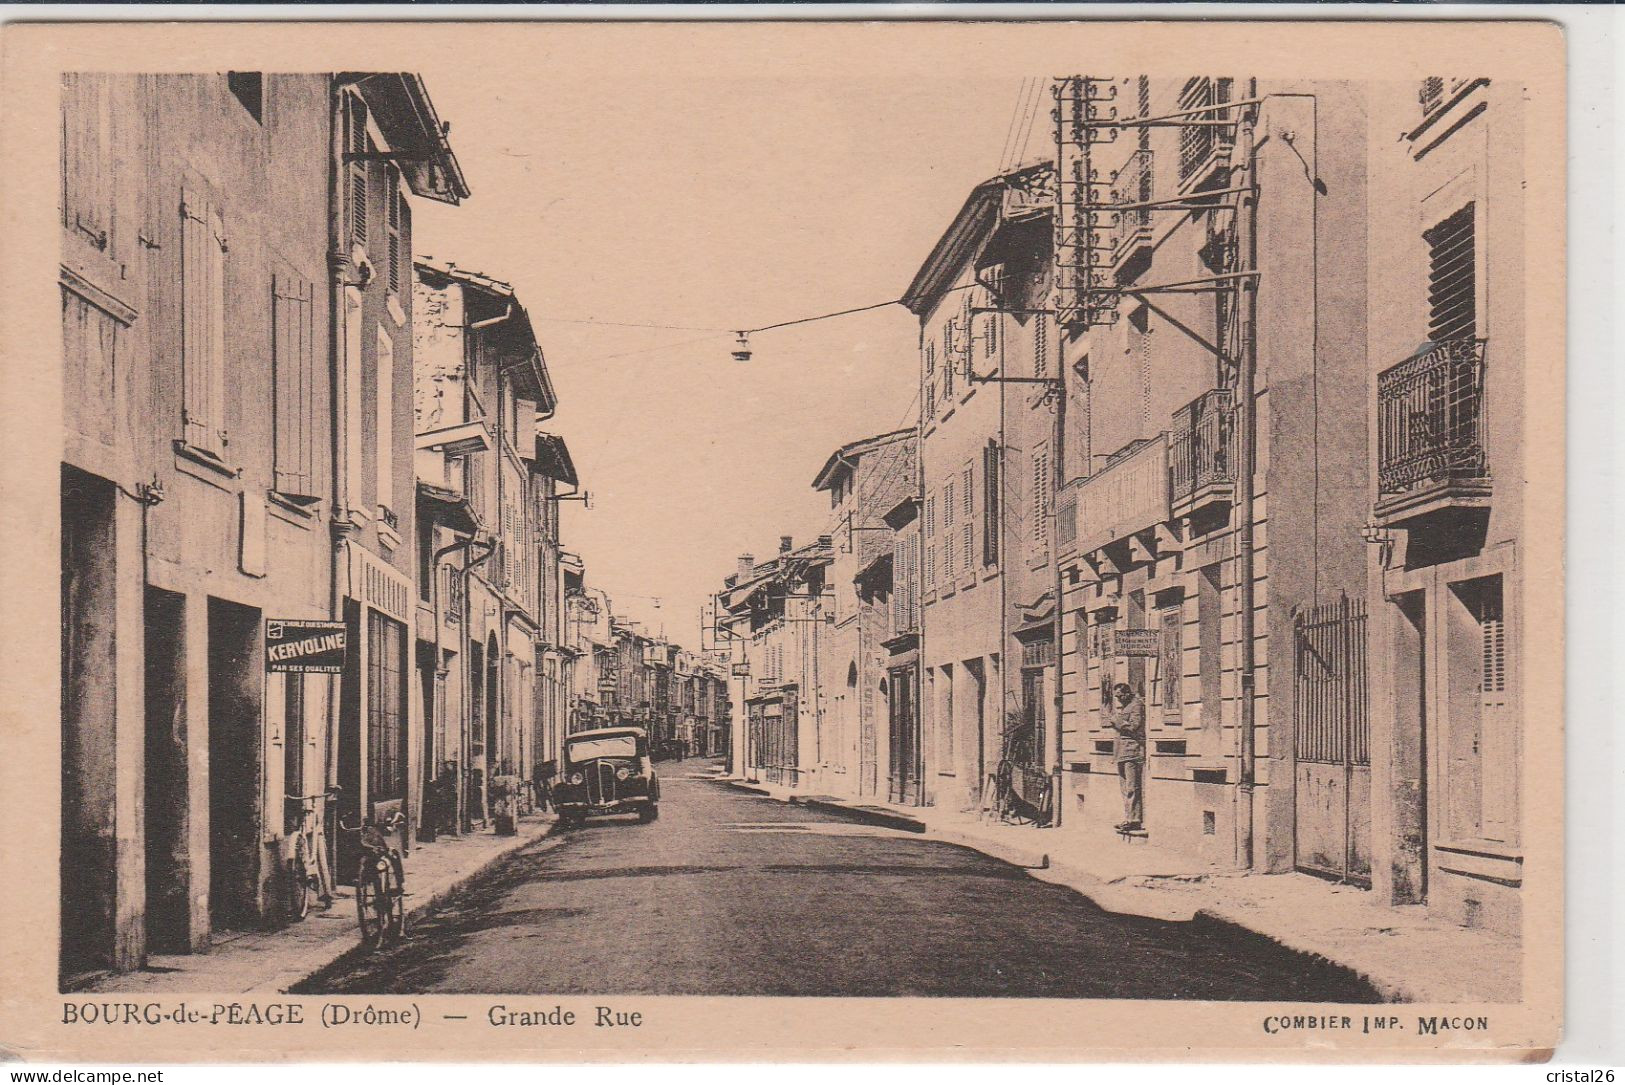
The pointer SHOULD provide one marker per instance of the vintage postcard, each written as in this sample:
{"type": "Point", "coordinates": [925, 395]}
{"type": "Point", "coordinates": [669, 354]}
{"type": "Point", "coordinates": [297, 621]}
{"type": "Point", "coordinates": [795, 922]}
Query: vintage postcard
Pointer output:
{"type": "Point", "coordinates": [869, 540]}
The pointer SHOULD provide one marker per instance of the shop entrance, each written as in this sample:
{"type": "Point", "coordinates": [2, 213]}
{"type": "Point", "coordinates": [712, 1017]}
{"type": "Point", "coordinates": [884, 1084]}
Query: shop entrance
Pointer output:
{"type": "Point", "coordinates": [235, 712]}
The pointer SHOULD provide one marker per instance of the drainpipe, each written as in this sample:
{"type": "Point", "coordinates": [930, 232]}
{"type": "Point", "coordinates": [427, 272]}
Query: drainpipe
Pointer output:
{"type": "Point", "coordinates": [1058, 453]}
{"type": "Point", "coordinates": [336, 263]}
{"type": "Point", "coordinates": [1247, 432]}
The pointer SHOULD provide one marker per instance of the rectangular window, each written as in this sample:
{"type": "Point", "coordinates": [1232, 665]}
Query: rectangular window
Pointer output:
{"type": "Point", "coordinates": [384, 460]}
{"type": "Point", "coordinates": [386, 708]}
{"type": "Point", "coordinates": [1452, 278]}
{"type": "Point", "coordinates": [950, 563]}
{"type": "Point", "coordinates": [293, 361]}
{"type": "Point", "coordinates": [1209, 600]}
{"type": "Point", "coordinates": [203, 327]}
{"type": "Point", "coordinates": [950, 356]}
{"type": "Point", "coordinates": [1171, 658]}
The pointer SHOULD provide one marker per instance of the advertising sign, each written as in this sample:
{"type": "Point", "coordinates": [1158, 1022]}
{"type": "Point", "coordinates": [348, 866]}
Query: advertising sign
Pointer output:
{"type": "Point", "coordinates": [1136, 642]}
{"type": "Point", "coordinates": [311, 647]}
{"type": "Point", "coordinates": [741, 670]}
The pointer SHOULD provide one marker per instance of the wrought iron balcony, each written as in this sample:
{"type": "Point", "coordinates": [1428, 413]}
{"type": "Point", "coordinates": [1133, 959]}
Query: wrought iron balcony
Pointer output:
{"type": "Point", "coordinates": [1202, 451]}
{"type": "Point", "coordinates": [1131, 240]}
{"type": "Point", "coordinates": [1430, 431]}
{"type": "Point", "coordinates": [1204, 143]}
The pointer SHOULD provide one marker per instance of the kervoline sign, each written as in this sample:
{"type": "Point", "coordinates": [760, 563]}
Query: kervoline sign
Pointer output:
{"type": "Point", "coordinates": [305, 646]}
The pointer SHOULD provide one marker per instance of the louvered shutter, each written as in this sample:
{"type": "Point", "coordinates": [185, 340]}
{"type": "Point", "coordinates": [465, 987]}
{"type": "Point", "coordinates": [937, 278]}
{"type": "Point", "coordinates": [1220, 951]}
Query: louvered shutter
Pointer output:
{"type": "Point", "coordinates": [394, 203]}
{"type": "Point", "coordinates": [1498, 756]}
{"type": "Point", "coordinates": [1040, 498]}
{"type": "Point", "coordinates": [356, 144]}
{"type": "Point", "coordinates": [967, 528]}
{"type": "Point", "coordinates": [990, 503]}
{"type": "Point", "coordinates": [1040, 346]}
{"type": "Point", "coordinates": [293, 348]}
{"type": "Point", "coordinates": [1452, 278]}
{"type": "Point", "coordinates": [202, 323]}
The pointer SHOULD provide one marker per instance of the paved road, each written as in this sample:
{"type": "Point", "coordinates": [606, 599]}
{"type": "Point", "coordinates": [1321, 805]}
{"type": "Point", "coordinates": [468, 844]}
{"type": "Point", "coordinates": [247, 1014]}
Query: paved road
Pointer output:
{"type": "Point", "coordinates": [731, 893]}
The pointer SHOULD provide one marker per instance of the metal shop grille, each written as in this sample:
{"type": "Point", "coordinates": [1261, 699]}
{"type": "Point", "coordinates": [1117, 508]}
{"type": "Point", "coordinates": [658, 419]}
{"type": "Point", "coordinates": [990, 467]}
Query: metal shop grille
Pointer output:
{"type": "Point", "coordinates": [1332, 717]}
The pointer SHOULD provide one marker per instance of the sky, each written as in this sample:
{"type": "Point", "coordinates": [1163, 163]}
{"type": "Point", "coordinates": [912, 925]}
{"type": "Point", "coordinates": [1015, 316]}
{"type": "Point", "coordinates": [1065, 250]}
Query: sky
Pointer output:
{"type": "Point", "coordinates": [728, 190]}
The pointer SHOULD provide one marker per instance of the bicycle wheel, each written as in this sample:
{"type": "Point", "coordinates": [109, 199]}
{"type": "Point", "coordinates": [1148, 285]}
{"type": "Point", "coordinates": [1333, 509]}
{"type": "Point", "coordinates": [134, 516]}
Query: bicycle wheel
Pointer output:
{"type": "Point", "coordinates": [392, 887]}
{"type": "Point", "coordinates": [371, 904]}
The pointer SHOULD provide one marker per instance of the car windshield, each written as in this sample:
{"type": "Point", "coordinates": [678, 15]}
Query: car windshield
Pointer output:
{"type": "Point", "coordinates": [609, 746]}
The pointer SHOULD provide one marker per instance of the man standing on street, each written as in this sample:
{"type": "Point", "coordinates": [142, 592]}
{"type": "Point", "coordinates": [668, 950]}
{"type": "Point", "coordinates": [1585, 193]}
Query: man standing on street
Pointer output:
{"type": "Point", "coordinates": [1128, 720]}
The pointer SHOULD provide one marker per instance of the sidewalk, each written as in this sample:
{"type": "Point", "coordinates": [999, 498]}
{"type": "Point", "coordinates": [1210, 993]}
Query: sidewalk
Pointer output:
{"type": "Point", "coordinates": [273, 961]}
{"type": "Point", "coordinates": [1404, 953]}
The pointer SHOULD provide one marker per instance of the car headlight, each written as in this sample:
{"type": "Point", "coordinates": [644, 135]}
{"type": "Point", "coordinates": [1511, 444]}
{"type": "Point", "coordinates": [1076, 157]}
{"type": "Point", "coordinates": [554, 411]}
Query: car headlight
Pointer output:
{"type": "Point", "coordinates": [622, 773]}
{"type": "Point", "coordinates": [576, 778]}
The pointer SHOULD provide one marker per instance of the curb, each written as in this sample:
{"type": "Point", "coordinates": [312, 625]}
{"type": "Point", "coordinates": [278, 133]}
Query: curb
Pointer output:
{"type": "Point", "coordinates": [283, 981]}
{"type": "Point", "coordinates": [872, 815]}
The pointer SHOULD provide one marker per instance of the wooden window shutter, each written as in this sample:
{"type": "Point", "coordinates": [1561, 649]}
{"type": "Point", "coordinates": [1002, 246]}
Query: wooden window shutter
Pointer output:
{"type": "Point", "coordinates": [1452, 278]}
{"type": "Point", "coordinates": [1040, 498]}
{"type": "Point", "coordinates": [293, 351]}
{"type": "Point", "coordinates": [393, 196]}
{"type": "Point", "coordinates": [1040, 346]}
{"type": "Point", "coordinates": [203, 248]}
{"type": "Point", "coordinates": [990, 503]}
{"type": "Point", "coordinates": [968, 545]}
{"type": "Point", "coordinates": [356, 144]}
{"type": "Point", "coordinates": [87, 190]}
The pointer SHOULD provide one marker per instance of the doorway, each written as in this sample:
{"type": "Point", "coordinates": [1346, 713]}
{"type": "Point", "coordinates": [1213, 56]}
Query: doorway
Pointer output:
{"type": "Point", "coordinates": [1332, 742]}
{"type": "Point", "coordinates": [88, 860]}
{"type": "Point", "coordinates": [166, 783]}
{"type": "Point", "coordinates": [235, 712]}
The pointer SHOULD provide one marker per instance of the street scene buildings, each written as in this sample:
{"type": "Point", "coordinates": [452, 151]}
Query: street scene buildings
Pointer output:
{"type": "Point", "coordinates": [1138, 465]}
{"type": "Point", "coordinates": [1195, 553]}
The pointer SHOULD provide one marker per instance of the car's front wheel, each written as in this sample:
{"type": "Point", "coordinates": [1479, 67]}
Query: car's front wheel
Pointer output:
{"type": "Point", "coordinates": [648, 813]}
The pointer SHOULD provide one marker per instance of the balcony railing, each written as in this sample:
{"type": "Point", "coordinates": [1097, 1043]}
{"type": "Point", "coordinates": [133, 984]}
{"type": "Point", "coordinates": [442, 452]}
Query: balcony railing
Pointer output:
{"type": "Point", "coordinates": [1201, 450]}
{"type": "Point", "coordinates": [1129, 495]}
{"type": "Point", "coordinates": [1132, 184]}
{"type": "Point", "coordinates": [1204, 145]}
{"type": "Point", "coordinates": [1430, 423]}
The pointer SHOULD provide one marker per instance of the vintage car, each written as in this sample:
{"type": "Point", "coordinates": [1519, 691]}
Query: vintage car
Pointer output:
{"type": "Point", "coordinates": [606, 771]}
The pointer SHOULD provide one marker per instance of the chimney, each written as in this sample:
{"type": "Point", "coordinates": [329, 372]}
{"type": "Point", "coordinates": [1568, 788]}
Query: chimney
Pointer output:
{"type": "Point", "coordinates": [786, 544]}
{"type": "Point", "coordinates": [747, 566]}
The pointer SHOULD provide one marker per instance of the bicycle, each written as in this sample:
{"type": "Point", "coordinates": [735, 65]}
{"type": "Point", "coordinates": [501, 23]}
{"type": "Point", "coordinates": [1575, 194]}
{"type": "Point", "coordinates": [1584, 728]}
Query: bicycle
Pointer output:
{"type": "Point", "coordinates": [380, 882]}
{"type": "Point", "coordinates": [307, 867]}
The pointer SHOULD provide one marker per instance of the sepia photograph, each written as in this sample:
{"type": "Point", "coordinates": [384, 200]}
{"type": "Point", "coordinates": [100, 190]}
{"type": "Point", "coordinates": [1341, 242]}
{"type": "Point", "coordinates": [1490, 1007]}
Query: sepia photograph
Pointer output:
{"type": "Point", "coordinates": [568, 523]}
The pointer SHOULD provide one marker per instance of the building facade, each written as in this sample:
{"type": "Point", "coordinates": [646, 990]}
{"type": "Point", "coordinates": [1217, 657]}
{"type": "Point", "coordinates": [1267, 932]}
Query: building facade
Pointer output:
{"type": "Point", "coordinates": [1446, 380]}
{"type": "Point", "coordinates": [482, 388]}
{"type": "Point", "coordinates": [236, 336]}
{"type": "Point", "coordinates": [774, 615]}
{"type": "Point", "coordinates": [864, 480]}
{"type": "Point", "coordinates": [981, 435]}
{"type": "Point", "coordinates": [1210, 511]}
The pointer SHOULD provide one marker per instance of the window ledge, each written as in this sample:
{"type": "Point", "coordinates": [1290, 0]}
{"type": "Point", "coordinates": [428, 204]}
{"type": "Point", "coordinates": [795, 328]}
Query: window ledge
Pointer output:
{"type": "Point", "coordinates": [187, 455]}
{"type": "Point", "coordinates": [396, 313]}
{"type": "Point", "coordinates": [301, 505]}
